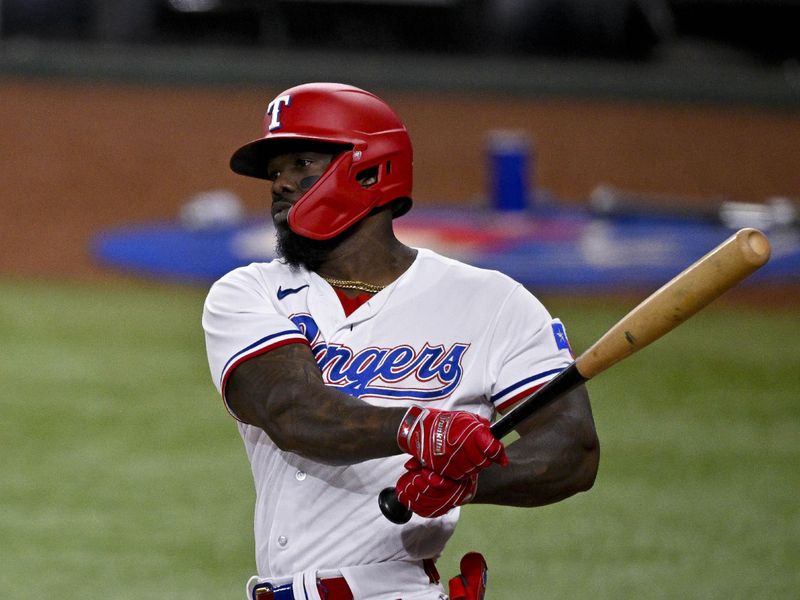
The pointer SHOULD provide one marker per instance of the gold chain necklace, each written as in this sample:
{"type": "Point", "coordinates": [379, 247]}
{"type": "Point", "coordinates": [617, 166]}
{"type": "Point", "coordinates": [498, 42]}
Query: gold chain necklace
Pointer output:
{"type": "Point", "coordinates": [347, 284]}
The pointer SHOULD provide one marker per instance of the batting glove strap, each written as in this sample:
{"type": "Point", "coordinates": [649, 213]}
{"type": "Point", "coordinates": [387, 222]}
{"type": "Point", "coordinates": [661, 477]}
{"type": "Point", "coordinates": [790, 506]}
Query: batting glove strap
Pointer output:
{"type": "Point", "coordinates": [407, 426]}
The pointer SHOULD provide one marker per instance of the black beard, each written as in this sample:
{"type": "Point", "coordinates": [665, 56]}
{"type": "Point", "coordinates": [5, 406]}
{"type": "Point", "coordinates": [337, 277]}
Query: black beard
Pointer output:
{"type": "Point", "coordinates": [298, 251]}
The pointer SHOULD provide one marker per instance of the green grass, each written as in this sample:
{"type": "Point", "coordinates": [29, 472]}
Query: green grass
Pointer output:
{"type": "Point", "coordinates": [123, 477]}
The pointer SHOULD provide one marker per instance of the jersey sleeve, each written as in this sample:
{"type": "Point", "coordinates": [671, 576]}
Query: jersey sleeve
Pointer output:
{"type": "Point", "coordinates": [529, 348]}
{"type": "Point", "coordinates": [240, 322]}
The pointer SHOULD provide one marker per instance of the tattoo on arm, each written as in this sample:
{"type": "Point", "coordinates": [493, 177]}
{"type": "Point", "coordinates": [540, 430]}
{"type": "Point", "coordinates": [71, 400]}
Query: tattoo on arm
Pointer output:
{"type": "Point", "coordinates": [282, 392]}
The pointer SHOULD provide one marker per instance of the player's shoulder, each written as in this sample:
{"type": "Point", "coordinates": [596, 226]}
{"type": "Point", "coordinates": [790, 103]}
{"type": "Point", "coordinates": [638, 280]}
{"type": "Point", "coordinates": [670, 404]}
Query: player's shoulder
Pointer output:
{"type": "Point", "coordinates": [476, 285]}
{"type": "Point", "coordinates": [456, 272]}
{"type": "Point", "coordinates": [255, 278]}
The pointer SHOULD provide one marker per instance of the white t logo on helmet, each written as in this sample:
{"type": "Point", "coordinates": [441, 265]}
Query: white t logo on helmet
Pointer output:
{"type": "Point", "coordinates": [274, 110]}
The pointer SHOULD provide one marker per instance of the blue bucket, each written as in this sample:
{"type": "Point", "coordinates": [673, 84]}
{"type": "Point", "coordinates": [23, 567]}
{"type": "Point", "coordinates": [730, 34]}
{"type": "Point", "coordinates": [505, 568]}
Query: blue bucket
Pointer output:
{"type": "Point", "coordinates": [509, 160]}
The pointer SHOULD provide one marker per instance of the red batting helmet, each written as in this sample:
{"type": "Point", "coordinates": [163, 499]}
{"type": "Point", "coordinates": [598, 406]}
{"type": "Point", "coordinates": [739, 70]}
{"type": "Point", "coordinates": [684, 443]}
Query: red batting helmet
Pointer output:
{"type": "Point", "coordinates": [375, 142]}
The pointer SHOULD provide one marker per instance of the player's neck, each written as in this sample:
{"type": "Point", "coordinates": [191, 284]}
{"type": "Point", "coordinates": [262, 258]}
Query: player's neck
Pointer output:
{"type": "Point", "coordinates": [372, 254]}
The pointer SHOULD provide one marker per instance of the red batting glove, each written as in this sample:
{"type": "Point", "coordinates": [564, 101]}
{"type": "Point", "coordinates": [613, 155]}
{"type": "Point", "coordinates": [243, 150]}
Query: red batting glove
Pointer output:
{"type": "Point", "coordinates": [454, 444]}
{"type": "Point", "coordinates": [428, 494]}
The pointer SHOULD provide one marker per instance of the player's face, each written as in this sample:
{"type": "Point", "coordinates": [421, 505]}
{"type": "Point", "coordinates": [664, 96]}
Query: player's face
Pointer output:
{"type": "Point", "coordinates": [292, 174]}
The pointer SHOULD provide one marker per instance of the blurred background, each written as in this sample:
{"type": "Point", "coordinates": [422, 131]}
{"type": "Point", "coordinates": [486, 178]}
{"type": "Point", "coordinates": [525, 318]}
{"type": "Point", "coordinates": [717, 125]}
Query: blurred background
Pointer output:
{"type": "Point", "coordinates": [591, 149]}
{"type": "Point", "coordinates": [624, 29]}
{"type": "Point", "coordinates": [127, 112]}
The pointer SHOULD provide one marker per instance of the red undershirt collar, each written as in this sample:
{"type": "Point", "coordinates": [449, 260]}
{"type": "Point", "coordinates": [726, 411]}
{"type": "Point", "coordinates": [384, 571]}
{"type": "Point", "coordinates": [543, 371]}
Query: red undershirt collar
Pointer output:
{"type": "Point", "coordinates": [351, 304]}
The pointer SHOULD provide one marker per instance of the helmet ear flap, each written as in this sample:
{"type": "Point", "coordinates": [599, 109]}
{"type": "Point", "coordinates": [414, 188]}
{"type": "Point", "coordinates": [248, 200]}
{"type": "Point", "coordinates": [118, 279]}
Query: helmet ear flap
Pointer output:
{"type": "Point", "coordinates": [334, 203]}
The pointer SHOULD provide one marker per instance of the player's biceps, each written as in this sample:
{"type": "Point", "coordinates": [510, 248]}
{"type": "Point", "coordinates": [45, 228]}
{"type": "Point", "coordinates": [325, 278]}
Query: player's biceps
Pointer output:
{"type": "Point", "coordinates": [262, 387]}
{"type": "Point", "coordinates": [292, 363]}
{"type": "Point", "coordinates": [564, 431]}
{"type": "Point", "coordinates": [573, 406]}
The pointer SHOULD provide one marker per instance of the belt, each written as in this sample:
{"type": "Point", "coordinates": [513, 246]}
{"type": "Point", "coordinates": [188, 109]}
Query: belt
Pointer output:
{"type": "Point", "coordinates": [334, 588]}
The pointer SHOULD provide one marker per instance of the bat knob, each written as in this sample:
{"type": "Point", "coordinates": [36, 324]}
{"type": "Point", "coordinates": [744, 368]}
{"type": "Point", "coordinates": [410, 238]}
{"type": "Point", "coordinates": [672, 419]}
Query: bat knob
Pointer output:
{"type": "Point", "coordinates": [392, 508]}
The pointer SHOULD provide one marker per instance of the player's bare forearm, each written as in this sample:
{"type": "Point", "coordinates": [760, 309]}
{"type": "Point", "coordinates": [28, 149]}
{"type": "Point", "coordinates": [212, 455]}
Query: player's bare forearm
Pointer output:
{"type": "Point", "coordinates": [283, 392]}
{"type": "Point", "coordinates": [555, 457]}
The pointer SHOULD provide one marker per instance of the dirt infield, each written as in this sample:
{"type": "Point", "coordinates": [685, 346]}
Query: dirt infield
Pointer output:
{"type": "Point", "coordinates": [78, 158]}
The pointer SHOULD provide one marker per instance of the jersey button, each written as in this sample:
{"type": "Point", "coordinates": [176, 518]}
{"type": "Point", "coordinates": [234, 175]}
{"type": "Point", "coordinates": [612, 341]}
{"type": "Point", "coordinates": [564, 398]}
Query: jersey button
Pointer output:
{"type": "Point", "coordinates": [300, 475]}
{"type": "Point", "coordinates": [282, 540]}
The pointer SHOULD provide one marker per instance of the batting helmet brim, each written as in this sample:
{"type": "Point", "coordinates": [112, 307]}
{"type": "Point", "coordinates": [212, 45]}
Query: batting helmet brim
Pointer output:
{"type": "Point", "coordinates": [251, 159]}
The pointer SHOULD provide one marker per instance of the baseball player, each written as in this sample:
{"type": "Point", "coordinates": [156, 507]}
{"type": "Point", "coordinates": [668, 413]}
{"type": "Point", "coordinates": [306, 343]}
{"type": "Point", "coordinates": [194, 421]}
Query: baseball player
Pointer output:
{"type": "Point", "coordinates": [354, 362]}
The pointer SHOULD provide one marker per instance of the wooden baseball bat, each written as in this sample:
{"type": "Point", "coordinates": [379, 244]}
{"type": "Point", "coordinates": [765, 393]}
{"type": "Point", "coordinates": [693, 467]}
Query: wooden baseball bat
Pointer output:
{"type": "Point", "coordinates": [662, 311]}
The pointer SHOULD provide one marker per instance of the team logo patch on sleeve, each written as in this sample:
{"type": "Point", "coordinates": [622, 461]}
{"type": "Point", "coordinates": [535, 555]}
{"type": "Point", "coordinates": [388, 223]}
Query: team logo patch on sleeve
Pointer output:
{"type": "Point", "coordinates": [560, 336]}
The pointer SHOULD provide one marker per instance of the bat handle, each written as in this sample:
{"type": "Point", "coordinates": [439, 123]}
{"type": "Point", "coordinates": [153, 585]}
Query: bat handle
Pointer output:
{"type": "Point", "coordinates": [392, 508]}
{"type": "Point", "coordinates": [568, 379]}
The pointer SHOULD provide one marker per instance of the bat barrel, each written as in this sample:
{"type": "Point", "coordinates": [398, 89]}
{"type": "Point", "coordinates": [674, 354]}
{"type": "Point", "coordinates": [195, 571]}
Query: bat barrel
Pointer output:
{"type": "Point", "coordinates": [754, 247]}
{"type": "Point", "coordinates": [677, 300]}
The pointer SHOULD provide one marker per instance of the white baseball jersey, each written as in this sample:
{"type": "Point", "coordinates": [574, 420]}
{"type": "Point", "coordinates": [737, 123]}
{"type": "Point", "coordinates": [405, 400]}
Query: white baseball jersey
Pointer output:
{"type": "Point", "coordinates": [444, 334]}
